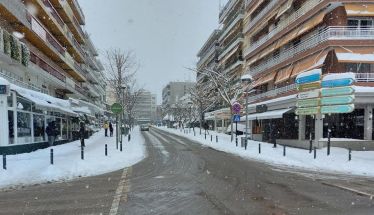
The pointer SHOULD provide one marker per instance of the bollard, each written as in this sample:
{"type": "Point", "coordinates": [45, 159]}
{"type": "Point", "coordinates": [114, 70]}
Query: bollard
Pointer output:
{"type": "Point", "coordinates": [328, 142]}
{"type": "Point", "coordinates": [120, 147]}
{"type": "Point", "coordinates": [194, 133]}
{"type": "Point", "coordinates": [82, 152]}
{"type": "Point", "coordinates": [236, 141]}
{"type": "Point", "coordinates": [245, 144]}
{"type": "Point", "coordinates": [51, 156]}
{"type": "Point", "coordinates": [117, 145]}
{"type": "Point", "coordinates": [259, 148]}
{"type": "Point", "coordinates": [216, 139]}
{"type": "Point", "coordinates": [129, 137]}
{"type": "Point", "coordinates": [310, 143]}
{"type": "Point", "coordinates": [205, 136]}
{"type": "Point", "coordinates": [4, 161]}
{"type": "Point", "coordinates": [349, 154]}
{"type": "Point", "coordinates": [315, 152]}
{"type": "Point", "coordinates": [211, 138]}
{"type": "Point", "coordinates": [106, 149]}
{"type": "Point", "coordinates": [284, 150]}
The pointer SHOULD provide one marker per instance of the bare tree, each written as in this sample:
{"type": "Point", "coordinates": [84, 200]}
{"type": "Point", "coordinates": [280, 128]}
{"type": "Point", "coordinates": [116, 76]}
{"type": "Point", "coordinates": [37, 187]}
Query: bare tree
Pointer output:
{"type": "Point", "coordinates": [121, 69]}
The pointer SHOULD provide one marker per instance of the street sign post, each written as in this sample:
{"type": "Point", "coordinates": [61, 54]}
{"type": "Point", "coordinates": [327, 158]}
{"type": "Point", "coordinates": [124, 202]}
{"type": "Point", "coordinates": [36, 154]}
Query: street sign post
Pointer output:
{"type": "Point", "coordinates": [236, 118]}
{"type": "Point", "coordinates": [236, 108]}
{"type": "Point", "coordinates": [117, 109]}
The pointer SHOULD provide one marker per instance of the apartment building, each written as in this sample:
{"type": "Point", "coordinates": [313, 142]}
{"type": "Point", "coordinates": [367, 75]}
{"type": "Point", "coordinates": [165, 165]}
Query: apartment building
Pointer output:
{"type": "Point", "coordinates": [52, 69]}
{"type": "Point", "coordinates": [284, 38]}
{"type": "Point", "coordinates": [145, 108]}
{"type": "Point", "coordinates": [173, 91]}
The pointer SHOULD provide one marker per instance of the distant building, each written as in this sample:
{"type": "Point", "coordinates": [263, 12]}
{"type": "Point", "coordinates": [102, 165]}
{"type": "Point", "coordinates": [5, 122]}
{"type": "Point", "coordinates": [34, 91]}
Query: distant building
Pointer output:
{"type": "Point", "coordinates": [174, 91]}
{"type": "Point", "coordinates": [145, 108]}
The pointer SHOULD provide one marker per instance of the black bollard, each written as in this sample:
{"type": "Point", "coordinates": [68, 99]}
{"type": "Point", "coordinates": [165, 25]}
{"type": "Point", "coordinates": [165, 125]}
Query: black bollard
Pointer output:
{"type": "Point", "coordinates": [310, 143]}
{"type": "Point", "coordinates": [328, 142]}
{"type": "Point", "coordinates": [259, 148]}
{"type": "Point", "coordinates": [245, 144]}
{"type": "Point", "coordinates": [51, 156]}
{"type": "Point", "coordinates": [129, 137]}
{"type": "Point", "coordinates": [236, 141]}
{"type": "Point", "coordinates": [120, 147]}
{"type": "Point", "coordinates": [117, 145]}
{"type": "Point", "coordinates": [106, 149]}
{"type": "Point", "coordinates": [284, 150]}
{"type": "Point", "coordinates": [315, 152]}
{"type": "Point", "coordinates": [82, 152]}
{"type": "Point", "coordinates": [4, 161]}
{"type": "Point", "coordinates": [211, 138]}
{"type": "Point", "coordinates": [205, 136]}
{"type": "Point", "coordinates": [349, 154]}
{"type": "Point", "coordinates": [194, 133]}
{"type": "Point", "coordinates": [216, 139]}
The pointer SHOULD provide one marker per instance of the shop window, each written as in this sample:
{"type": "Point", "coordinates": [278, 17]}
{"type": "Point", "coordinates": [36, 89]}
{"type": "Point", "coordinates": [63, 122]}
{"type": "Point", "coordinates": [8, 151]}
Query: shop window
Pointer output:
{"type": "Point", "coordinates": [23, 104]}
{"type": "Point", "coordinates": [64, 129]}
{"type": "Point", "coordinates": [11, 127]}
{"type": "Point", "coordinates": [359, 67]}
{"type": "Point", "coordinates": [350, 125]}
{"type": "Point", "coordinates": [58, 128]}
{"type": "Point", "coordinates": [24, 127]}
{"type": "Point", "coordinates": [39, 128]}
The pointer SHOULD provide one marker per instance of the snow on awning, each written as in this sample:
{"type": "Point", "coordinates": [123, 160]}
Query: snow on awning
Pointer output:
{"type": "Point", "coordinates": [43, 100]}
{"type": "Point", "coordinates": [355, 58]}
{"type": "Point", "coordinates": [82, 109]}
{"type": "Point", "coordinates": [274, 114]}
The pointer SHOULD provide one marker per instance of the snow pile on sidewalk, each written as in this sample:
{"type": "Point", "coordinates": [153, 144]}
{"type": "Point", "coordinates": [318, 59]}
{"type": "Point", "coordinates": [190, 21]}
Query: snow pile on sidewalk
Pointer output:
{"type": "Point", "coordinates": [34, 168]}
{"type": "Point", "coordinates": [362, 162]}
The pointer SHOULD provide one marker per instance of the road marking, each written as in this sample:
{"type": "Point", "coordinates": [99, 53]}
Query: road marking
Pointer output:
{"type": "Point", "coordinates": [122, 189]}
{"type": "Point", "coordinates": [358, 192]}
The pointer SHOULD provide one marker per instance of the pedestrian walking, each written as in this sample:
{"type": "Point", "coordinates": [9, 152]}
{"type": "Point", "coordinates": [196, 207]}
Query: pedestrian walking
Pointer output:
{"type": "Point", "coordinates": [106, 126]}
{"type": "Point", "coordinates": [111, 129]}
{"type": "Point", "coordinates": [82, 134]}
{"type": "Point", "coordinates": [51, 133]}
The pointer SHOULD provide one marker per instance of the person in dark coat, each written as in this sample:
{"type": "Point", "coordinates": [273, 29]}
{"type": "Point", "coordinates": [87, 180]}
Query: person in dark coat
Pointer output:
{"type": "Point", "coordinates": [82, 133]}
{"type": "Point", "coordinates": [111, 129]}
{"type": "Point", "coordinates": [51, 133]}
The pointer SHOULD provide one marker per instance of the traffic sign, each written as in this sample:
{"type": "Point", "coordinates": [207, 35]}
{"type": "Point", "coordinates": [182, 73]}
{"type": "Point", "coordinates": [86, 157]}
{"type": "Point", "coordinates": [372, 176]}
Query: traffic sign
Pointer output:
{"type": "Point", "coordinates": [116, 108]}
{"type": "Point", "coordinates": [337, 83]}
{"type": "Point", "coordinates": [338, 109]}
{"type": "Point", "coordinates": [309, 86]}
{"type": "Point", "coordinates": [236, 107]}
{"type": "Point", "coordinates": [337, 100]}
{"type": "Point", "coordinates": [307, 111]}
{"type": "Point", "coordinates": [308, 95]}
{"type": "Point", "coordinates": [337, 91]}
{"type": "Point", "coordinates": [236, 118]}
{"type": "Point", "coordinates": [308, 78]}
{"type": "Point", "coordinates": [308, 102]}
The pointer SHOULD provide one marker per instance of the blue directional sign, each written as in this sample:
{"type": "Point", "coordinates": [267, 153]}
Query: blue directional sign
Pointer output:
{"type": "Point", "coordinates": [236, 118]}
{"type": "Point", "coordinates": [308, 79]}
{"type": "Point", "coordinates": [337, 83]}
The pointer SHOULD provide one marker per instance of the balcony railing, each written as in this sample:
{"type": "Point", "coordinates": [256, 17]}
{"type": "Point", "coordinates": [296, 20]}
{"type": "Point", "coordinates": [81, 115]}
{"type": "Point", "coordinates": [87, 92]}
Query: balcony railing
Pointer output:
{"type": "Point", "coordinates": [20, 83]}
{"type": "Point", "coordinates": [272, 93]}
{"type": "Point", "coordinates": [259, 16]}
{"type": "Point", "coordinates": [205, 57]}
{"type": "Point", "coordinates": [47, 67]}
{"type": "Point", "coordinates": [79, 9]}
{"type": "Point", "coordinates": [78, 26]}
{"type": "Point", "coordinates": [236, 18]}
{"type": "Point", "coordinates": [329, 33]}
{"type": "Point", "coordinates": [224, 11]}
{"type": "Point", "coordinates": [283, 24]}
{"type": "Point", "coordinates": [365, 77]}
{"type": "Point", "coordinates": [229, 46]}
{"type": "Point", "coordinates": [54, 13]}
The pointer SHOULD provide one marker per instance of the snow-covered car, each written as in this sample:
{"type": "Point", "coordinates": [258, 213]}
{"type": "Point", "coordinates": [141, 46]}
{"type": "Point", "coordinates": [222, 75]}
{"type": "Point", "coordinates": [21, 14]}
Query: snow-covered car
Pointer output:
{"type": "Point", "coordinates": [144, 127]}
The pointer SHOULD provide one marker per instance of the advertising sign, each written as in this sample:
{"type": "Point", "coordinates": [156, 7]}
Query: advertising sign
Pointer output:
{"type": "Point", "coordinates": [338, 91]}
{"type": "Point", "coordinates": [337, 109]}
{"type": "Point", "coordinates": [338, 100]}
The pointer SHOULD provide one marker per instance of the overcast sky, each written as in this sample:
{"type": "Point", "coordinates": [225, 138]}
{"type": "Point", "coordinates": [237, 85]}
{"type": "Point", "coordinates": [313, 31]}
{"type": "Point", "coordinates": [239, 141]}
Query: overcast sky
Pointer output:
{"type": "Point", "coordinates": [164, 34]}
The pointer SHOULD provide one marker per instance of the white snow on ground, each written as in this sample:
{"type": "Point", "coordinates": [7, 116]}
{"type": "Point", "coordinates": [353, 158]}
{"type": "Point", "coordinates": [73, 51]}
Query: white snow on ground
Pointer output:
{"type": "Point", "coordinates": [34, 167]}
{"type": "Point", "coordinates": [362, 162]}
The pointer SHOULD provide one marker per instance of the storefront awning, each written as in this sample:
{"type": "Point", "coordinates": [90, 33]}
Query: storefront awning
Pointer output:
{"type": "Point", "coordinates": [359, 9]}
{"type": "Point", "coordinates": [274, 114]}
{"type": "Point", "coordinates": [284, 74]}
{"type": "Point", "coordinates": [43, 100]}
{"type": "Point", "coordinates": [265, 79]}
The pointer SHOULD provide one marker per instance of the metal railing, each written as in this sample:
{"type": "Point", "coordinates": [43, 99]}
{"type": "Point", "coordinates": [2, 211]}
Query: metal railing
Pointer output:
{"type": "Point", "coordinates": [223, 12]}
{"type": "Point", "coordinates": [54, 13]}
{"type": "Point", "coordinates": [273, 93]}
{"type": "Point", "coordinates": [329, 33]}
{"type": "Point", "coordinates": [233, 42]}
{"type": "Point", "coordinates": [19, 82]}
{"type": "Point", "coordinates": [203, 59]}
{"type": "Point", "coordinates": [365, 77]}
{"type": "Point", "coordinates": [283, 24]}
{"type": "Point", "coordinates": [259, 16]}
{"type": "Point", "coordinates": [239, 15]}
{"type": "Point", "coordinates": [47, 67]}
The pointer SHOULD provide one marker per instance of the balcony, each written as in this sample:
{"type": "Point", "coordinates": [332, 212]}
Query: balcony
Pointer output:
{"type": "Point", "coordinates": [239, 16]}
{"type": "Point", "coordinates": [283, 25]}
{"type": "Point", "coordinates": [328, 34]}
{"type": "Point", "coordinates": [232, 44]}
{"type": "Point", "coordinates": [77, 11]}
{"type": "Point", "coordinates": [47, 67]}
{"type": "Point", "coordinates": [365, 77]}
{"type": "Point", "coordinates": [226, 9]}
{"type": "Point", "coordinates": [206, 56]}
{"type": "Point", "coordinates": [259, 16]}
{"type": "Point", "coordinates": [273, 93]}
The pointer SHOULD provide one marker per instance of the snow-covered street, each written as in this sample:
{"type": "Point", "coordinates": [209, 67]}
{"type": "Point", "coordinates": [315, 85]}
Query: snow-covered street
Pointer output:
{"type": "Point", "coordinates": [35, 167]}
{"type": "Point", "coordinates": [361, 164]}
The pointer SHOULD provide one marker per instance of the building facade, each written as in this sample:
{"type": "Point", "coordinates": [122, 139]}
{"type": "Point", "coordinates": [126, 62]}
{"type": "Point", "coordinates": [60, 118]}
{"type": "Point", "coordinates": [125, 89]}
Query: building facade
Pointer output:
{"type": "Point", "coordinates": [145, 108]}
{"type": "Point", "coordinates": [174, 91]}
{"type": "Point", "coordinates": [289, 37]}
{"type": "Point", "coordinates": [50, 65]}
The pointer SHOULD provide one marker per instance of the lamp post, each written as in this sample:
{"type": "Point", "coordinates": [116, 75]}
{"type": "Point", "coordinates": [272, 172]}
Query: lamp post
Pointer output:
{"type": "Point", "coordinates": [123, 88]}
{"type": "Point", "coordinates": [246, 79]}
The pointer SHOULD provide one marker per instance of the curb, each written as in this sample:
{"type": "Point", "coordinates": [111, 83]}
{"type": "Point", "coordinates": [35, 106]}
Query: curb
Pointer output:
{"type": "Point", "coordinates": [360, 193]}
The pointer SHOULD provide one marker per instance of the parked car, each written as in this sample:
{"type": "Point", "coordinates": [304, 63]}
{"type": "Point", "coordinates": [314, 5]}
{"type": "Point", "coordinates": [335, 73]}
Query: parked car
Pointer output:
{"type": "Point", "coordinates": [144, 128]}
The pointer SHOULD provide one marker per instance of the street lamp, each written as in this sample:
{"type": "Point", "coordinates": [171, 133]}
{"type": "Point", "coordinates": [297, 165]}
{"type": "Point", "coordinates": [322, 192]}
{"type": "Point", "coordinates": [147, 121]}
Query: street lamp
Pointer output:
{"type": "Point", "coordinates": [123, 88]}
{"type": "Point", "coordinates": [246, 79]}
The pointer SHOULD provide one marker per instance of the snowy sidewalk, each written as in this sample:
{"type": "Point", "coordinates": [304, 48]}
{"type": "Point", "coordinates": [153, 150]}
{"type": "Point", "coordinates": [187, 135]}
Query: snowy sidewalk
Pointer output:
{"type": "Point", "coordinates": [362, 163]}
{"type": "Point", "coordinates": [35, 167]}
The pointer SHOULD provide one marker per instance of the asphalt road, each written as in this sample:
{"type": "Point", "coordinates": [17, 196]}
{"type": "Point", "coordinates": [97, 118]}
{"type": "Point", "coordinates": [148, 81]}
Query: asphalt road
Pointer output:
{"type": "Point", "coordinates": [183, 177]}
